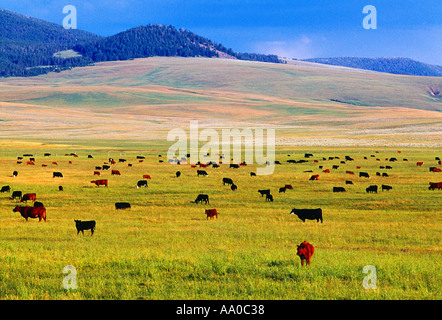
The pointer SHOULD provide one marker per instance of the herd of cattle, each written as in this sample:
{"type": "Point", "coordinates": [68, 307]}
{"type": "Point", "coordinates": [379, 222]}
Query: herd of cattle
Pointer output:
{"type": "Point", "coordinates": [305, 250]}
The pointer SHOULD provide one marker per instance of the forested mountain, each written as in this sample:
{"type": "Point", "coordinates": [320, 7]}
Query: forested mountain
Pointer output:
{"type": "Point", "coordinates": [389, 65]}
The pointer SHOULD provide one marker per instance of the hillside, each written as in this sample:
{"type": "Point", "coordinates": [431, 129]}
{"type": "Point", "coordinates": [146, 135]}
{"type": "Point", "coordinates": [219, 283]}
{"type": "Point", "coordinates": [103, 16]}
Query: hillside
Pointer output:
{"type": "Point", "coordinates": [388, 65]}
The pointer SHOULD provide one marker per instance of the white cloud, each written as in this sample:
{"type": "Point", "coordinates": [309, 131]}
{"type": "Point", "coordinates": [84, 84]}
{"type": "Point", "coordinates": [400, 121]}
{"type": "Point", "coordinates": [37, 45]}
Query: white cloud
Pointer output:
{"type": "Point", "coordinates": [301, 48]}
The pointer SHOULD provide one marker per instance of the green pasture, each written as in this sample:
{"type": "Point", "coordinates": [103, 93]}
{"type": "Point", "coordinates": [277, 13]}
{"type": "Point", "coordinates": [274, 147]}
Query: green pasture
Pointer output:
{"type": "Point", "coordinates": [165, 248]}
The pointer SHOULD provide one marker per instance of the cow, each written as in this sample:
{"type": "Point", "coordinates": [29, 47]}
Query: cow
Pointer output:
{"type": "Point", "coordinates": [38, 204]}
{"type": "Point", "coordinates": [141, 183]}
{"type": "Point", "coordinates": [378, 174]}
{"type": "Point", "coordinates": [314, 177]}
{"type": "Point", "coordinates": [348, 158]}
{"type": "Point", "coordinates": [115, 172]}
{"type": "Point", "coordinates": [335, 167]}
{"type": "Point", "coordinates": [100, 182]}
{"type": "Point", "coordinates": [269, 197]}
{"type": "Point", "coordinates": [282, 190]}
{"type": "Point", "coordinates": [122, 205]}
{"type": "Point", "coordinates": [97, 173]}
{"type": "Point", "coordinates": [305, 252]}
{"type": "Point", "coordinates": [348, 182]}
{"type": "Point", "coordinates": [233, 187]}
{"type": "Point", "coordinates": [288, 186]}
{"type": "Point", "coordinates": [201, 173]}
{"type": "Point", "coordinates": [372, 189]}
{"type": "Point", "coordinates": [211, 213]}
{"type": "Point", "coordinates": [15, 174]}
{"type": "Point", "coordinates": [121, 160]}
{"type": "Point", "coordinates": [234, 166]}
{"type": "Point", "coordinates": [60, 188]}
{"type": "Point", "coordinates": [46, 155]}
{"type": "Point", "coordinates": [57, 174]}
{"type": "Point", "coordinates": [326, 171]}
{"type": "Point", "coordinates": [16, 194]}
{"type": "Point", "coordinates": [435, 185]}
{"type": "Point", "coordinates": [178, 173]}
{"type": "Point", "coordinates": [146, 176]}
{"type": "Point", "coordinates": [89, 156]}
{"type": "Point", "coordinates": [308, 214]}
{"type": "Point", "coordinates": [85, 225]}
{"type": "Point", "coordinates": [30, 163]}
{"type": "Point", "coordinates": [28, 196]}
{"type": "Point", "coordinates": [385, 187]}
{"type": "Point", "coordinates": [364, 174]}
{"type": "Point", "coordinates": [419, 164]}
{"type": "Point", "coordinates": [105, 167]}
{"type": "Point", "coordinates": [97, 168]}
{"type": "Point", "coordinates": [384, 174]}
{"type": "Point", "coordinates": [338, 189]}
{"type": "Point", "coordinates": [263, 192]}
{"type": "Point", "coordinates": [31, 212]}
{"type": "Point", "coordinates": [308, 155]}
{"type": "Point", "coordinates": [349, 172]}
{"type": "Point", "coordinates": [252, 174]}
{"type": "Point", "coordinates": [55, 163]}
{"type": "Point", "coordinates": [228, 181]}
{"type": "Point", "coordinates": [141, 157]}
{"type": "Point", "coordinates": [201, 198]}
{"type": "Point", "coordinates": [5, 189]}
{"type": "Point", "coordinates": [388, 167]}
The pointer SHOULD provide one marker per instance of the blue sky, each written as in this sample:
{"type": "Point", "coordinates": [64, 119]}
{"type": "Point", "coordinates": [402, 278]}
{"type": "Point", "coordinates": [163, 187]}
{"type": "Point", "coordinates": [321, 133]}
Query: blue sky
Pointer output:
{"type": "Point", "coordinates": [291, 28]}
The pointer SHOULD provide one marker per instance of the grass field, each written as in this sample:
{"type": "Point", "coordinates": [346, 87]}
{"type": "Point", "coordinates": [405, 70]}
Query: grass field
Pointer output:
{"type": "Point", "coordinates": [164, 248]}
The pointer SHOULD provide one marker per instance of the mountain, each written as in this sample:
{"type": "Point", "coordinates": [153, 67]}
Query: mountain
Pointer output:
{"type": "Point", "coordinates": [404, 66]}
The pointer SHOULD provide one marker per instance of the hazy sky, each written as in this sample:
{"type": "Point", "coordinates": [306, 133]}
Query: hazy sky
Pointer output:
{"type": "Point", "coordinates": [291, 28]}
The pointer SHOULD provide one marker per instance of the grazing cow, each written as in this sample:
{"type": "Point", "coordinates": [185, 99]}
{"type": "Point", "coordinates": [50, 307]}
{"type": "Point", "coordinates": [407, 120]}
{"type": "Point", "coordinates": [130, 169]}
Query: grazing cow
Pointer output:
{"type": "Point", "coordinates": [364, 174]}
{"type": "Point", "coordinates": [38, 204]}
{"type": "Point", "coordinates": [141, 183]}
{"type": "Point", "coordinates": [384, 174]}
{"type": "Point", "coordinates": [60, 188]}
{"type": "Point", "coordinates": [305, 252]}
{"type": "Point", "coordinates": [233, 187]}
{"type": "Point", "coordinates": [100, 182]}
{"type": "Point", "coordinates": [435, 185]}
{"type": "Point", "coordinates": [89, 156]}
{"type": "Point", "coordinates": [338, 189]}
{"type": "Point", "coordinates": [5, 189]}
{"type": "Point", "coordinates": [348, 158]}
{"type": "Point", "coordinates": [314, 177]}
{"type": "Point", "coordinates": [122, 205]}
{"type": "Point", "coordinates": [234, 166]}
{"type": "Point", "coordinates": [121, 160]}
{"type": "Point", "coordinates": [385, 187]}
{"type": "Point", "coordinates": [28, 196]}
{"type": "Point", "coordinates": [31, 212]}
{"type": "Point", "coordinates": [57, 174]}
{"type": "Point", "coordinates": [252, 174]}
{"type": "Point", "coordinates": [308, 214]}
{"type": "Point", "coordinates": [16, 194]}
{"type": "Point", "coordinates": [227, 180]}
{"type": "Point", "coordinates": [202, 165]}
{"type": "Point", "coordinates": [326, 171]}
{"type": "Point", "coordinates": [348, 182]}
{"type": "Point", "coordinates": [335, 167]}
{"type": "Point", "coordinates": [141, 157]}
{"type": "Point", "coordinates": [288, 186]}
{"type": "Point", "coordinates": [211, 213]}
{"type": "Point", "coordinates": [30, 163]}
{"type": "Point", "coordinates": [419, 164]}
{"type": "Point", "coordinates": [201, 198]}
{"type": "Point", "coordinates": [55, 163]}
{"type": "Point", "coordinates": [97, 168]}
{"type": "Point", "coordinates": [282, 189]}
{"type": "Point", "coordinates": [97, 173]}
{"type": "Point", "coordinates": [85, 225]}
{"type": "Point", "coordinates": [178, 173]}
{"type": "Point", "coordinates": [388, 167]}
{"type": "Point", "coordinates": [378, 174]}
{"type": "Point", "coordinates": [115, 172]}
{"type": "Point", "coordinates": [46, 155]}
{"type": "Point", "coordinates": [105, 167]}
{"type": "Point", "coordinates": [269, 197]}
{"type": "Point", "coordinates": [308, 155]}
{"type": "Point", "coordinates": [372, 189]}
{"type": "Point", "coordinates": [201, 173]}
{"type": "Point", "coordinates": [15, 174]}
{"type": "Point", "coordinates": [146, 176]}
{"type": "Point", "coordinates": [263, 192]}
{"type": "Point", "coordinates": [349, 172]}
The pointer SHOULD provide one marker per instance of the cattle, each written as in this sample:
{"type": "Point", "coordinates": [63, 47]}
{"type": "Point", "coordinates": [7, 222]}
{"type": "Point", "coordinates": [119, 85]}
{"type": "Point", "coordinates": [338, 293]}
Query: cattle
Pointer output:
{"type": "Point", "coordinates": [38, 204]}
{"type": "Point", "coordinates": [269, 197]}
{"type": "Point", "coordinates": [308, 214]}
{"type": "Point", "coordinates": [384, 174]}
{"type": "Point", "coordinates": [215, 165]}
{"type": "Point", "coordinates": [122, 205]}
{"type": "Point", "coordinates": [31, 212]}
{"type": "Point", "coordinates": [141, 157]}
{"type": "Point", "coordinates": [97, 168]}
{"type": "Point", "coordinates": [28, 196]}
{"type": "Point", "coordinates": [435, 185]}
{"type": "Point", "coordinates": [288, 186]}
{"type": "Point", "coordinates": [252, 174]}
{"type": "Point", "coordinates": [388, 167]}
{"type": "Point", "coordinates": [308, 155]}
{"type": "Point", "coordinates": [378, 174]}
{"type": "Point", "coordinates": [419, 164]}
{"type": "Point", "coordinates": [348, 182]}
{"type": "Point", "coordinates": [16, 194]}
{"type": "Point", "coordinates": [121, 160]}
{"type": "Point", "coordinates": [335, 167]}
{"type": "Point", "coordinates": [105, 167]}
{"type": "Point", "coordinates": [5, 189]}
{"type": "Point", "coordinates": [30, 163]}
{"type": "Point", "coordinates": [178, 173]}
{"type": "Point", "coordinates": [85, 225]}
{"type": "Point", "coordinates": [228, 181]}
{"type": "Point", "coordinates": [15, 174]}
{"type": "Point", "coordinates": [372, 189]}
{"type": "Point", "coordinates": [314, 177]}
{"type": "Point", "coordinates": [348, 158]}
{"type": "Point", "coordinates": [326, 171]}
{"type": "Point", "coordinates": [203, 165]}
{"type": "Point", "coordinates": [97, 173]}
{"type": "Point", "coordinates": [338, 189]}
{"type": "Point", "coordinates": [234, 166]}
{"type": "Point", "coordinates": [141, 183]}
{"type": "Point", "coordinates": [434, 169]}
{"type": "Point", "coordinates": [364, 174]}
{"type": "Point", "coordinates": [115, 172]}
{"type": "Point", "coordinates": [201, 198]}
{"type": "Point", "coordinates": [46, 155]}
{"type": "Point", "coordinates": [349, 172]}
{"type": "Point", "coordinates": [146, 176]}
{"type": "Point", "coordinates": [100, 182]}
{"type": "Point", "coordinates": [385, 187]}
{"type": "Point", "coordinates": [60, 188]}
{"type": "Point", "coordinates": [263, 192]}
{"type": "Point", "coordinates": [55, 163]}
{"type": "Point", "coordinates": [282, 189]}
{"type": "Point", "coordinates": [233, 187]}
{"type": "Point", "coordinates": [57, 174]}
{"type": "Point", "coordinates": [89, 156]}
{"type": "Point", "coordinates": [305, 252]}
{"type": "Point", "coordinates": [201, 173]}
{"type": "Point", "coordinates": [210, 213]}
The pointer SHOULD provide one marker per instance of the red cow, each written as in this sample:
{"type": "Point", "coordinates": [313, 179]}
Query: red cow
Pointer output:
{"type": "Point", "coordinates": [100, 182]}
{"type": "Point", "coordinates": [202, 165]}
{"type": "Point", "coordinates": [116, 172]}
{"type": "Point", "coordinates": [358, 167]}
{"type": "Point", "coordinates": [193, 166]}
{"type": "Point", "coordinates": [44, 165]}
{"type": "Point", "coordinates": [31, 212]}
{"type": "Point", "coordinates": [419, 164]}
{"type": "Point", "coordinates": [211, 213]}
{"type": "Point", "coordinates": [439, 162]}
{"type": "Point", "coordinates": [288, 186]}
{"type": "Point", "coordinates": [146, 176]}
{"type": "Point", "coordinates": [349, 172]}
{"type": "Point", "coordinates": [315, 161]}
{"type": "Point", "coordinates": [243, 164]}
{"type": "Point", "coordinates": [29, 196]}
{"type": "Point", "coordinates": [55, 163]}
{"type": "Point", "coordinates": [314, 177]}
{"type": "Point", "coordinates": [97, 173]}
{"type": "Point", "coordinates": [435, 169]}
{"type": "Point", "coordinates": [70, 162]}
{"type": "Point", "coordinates": [305, 252]}
{"type": "Point", "coordinates": [435, 185]}
{"type": "Point", "coordinates": [326, 171]}
{"type": "Point", "coordinates": [30, 163]}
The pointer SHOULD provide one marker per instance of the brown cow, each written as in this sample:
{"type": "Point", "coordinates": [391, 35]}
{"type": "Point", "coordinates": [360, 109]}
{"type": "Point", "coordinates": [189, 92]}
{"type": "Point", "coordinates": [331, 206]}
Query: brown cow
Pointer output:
{"type": "Point", "coordinates": [31, 212]}
{"type": "Point", "coordinates": [100, 182]}
{"type": "Point", "coordinates": [146, 176]}
{"type": "Point", "coordinates": [211, 213]}
{"type": "Point", "coordinates": [314, 177]}
{"type": "Point", "coordinates": [97, 173]}
{"type": "Point", "coordinates": [115, 172]}
{"type": "Point", "coordinates": [435, 185]}
{"type": "Point", "coordinates": [28, 196]}
{"type": "Point", "coordinates": [305, 252]}
{"type": "Point", "coordinates": [419, 164]}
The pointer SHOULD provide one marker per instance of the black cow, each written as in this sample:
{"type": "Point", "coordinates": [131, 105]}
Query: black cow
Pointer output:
{"type": "Point", "coordinates": [372, 189]}
{"type": "Point", "coordinates": [60, 188]}
{"type": "Point", "coordinates": [338, 189]}
{"type": "Point", "coordinates": [252, 174]}
{"type": "Point", "coordinates": [141, 183]}
{"type": "Point", "coordinates": [384, 174]}
{"type": "Point", "coordinates": [89, 156]}
{"type": "Point", "coordinates": [201, 173]}
{"type": "Point", "coordinates": [178, 173]}
{"type": "Point", "coordinates": [388, 167]}
{"type": "Point", "coordinates": [364, 174]}
{"type": "Point", "coordinates": [282, 189]}
{"type": "Point", "coordinates": [263, 192]}
{"type": "Point", "coordinates": [269, 197]}
{"type": "Point", "coordinates": [106, 167]}
{"type": "Point", "coordinates": [5, 189]}
{"type": "Point", "coordinates": [122, 205]}
{"type": "Point", "coordinates": [385, 187]}
{"type": "Point", "coordinates": [14, 174]}
{"type": "Point", "coordinates": [348, 158]}
{"type": "Point", "coordinates": [57, 174]}
{"type": "Point", "coordinates": [85, 225]}
{"type": "Point", "coordinates": [121, 160]}
{"type": "Point", "coordinates": [348, 182]}
{"type": "Point", "coordinates": [16, 194]}
{"type": "Point", "coordinates": [335, 167]}
{"type": "Point", "coordinates": [141, 157]}
{"type": "Point", "coordinates": [233, 187]}
{"type": "Point", "coordinates": [38, 204]}
{"type": "Point", "coordinates": [97, 168]}
{"type": "Point", "coordinates": [228, 181]}
{"type": "Point", "coordinates": [308, 214]}
{"type": "Point", "coordinates": [201, 198]}
{"type": "Point", "coordinates": [46, 155]}
{"type": "Point", "coordinates": [234, 166]}
{"type": "Point", "coordinates": [308, 155]}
